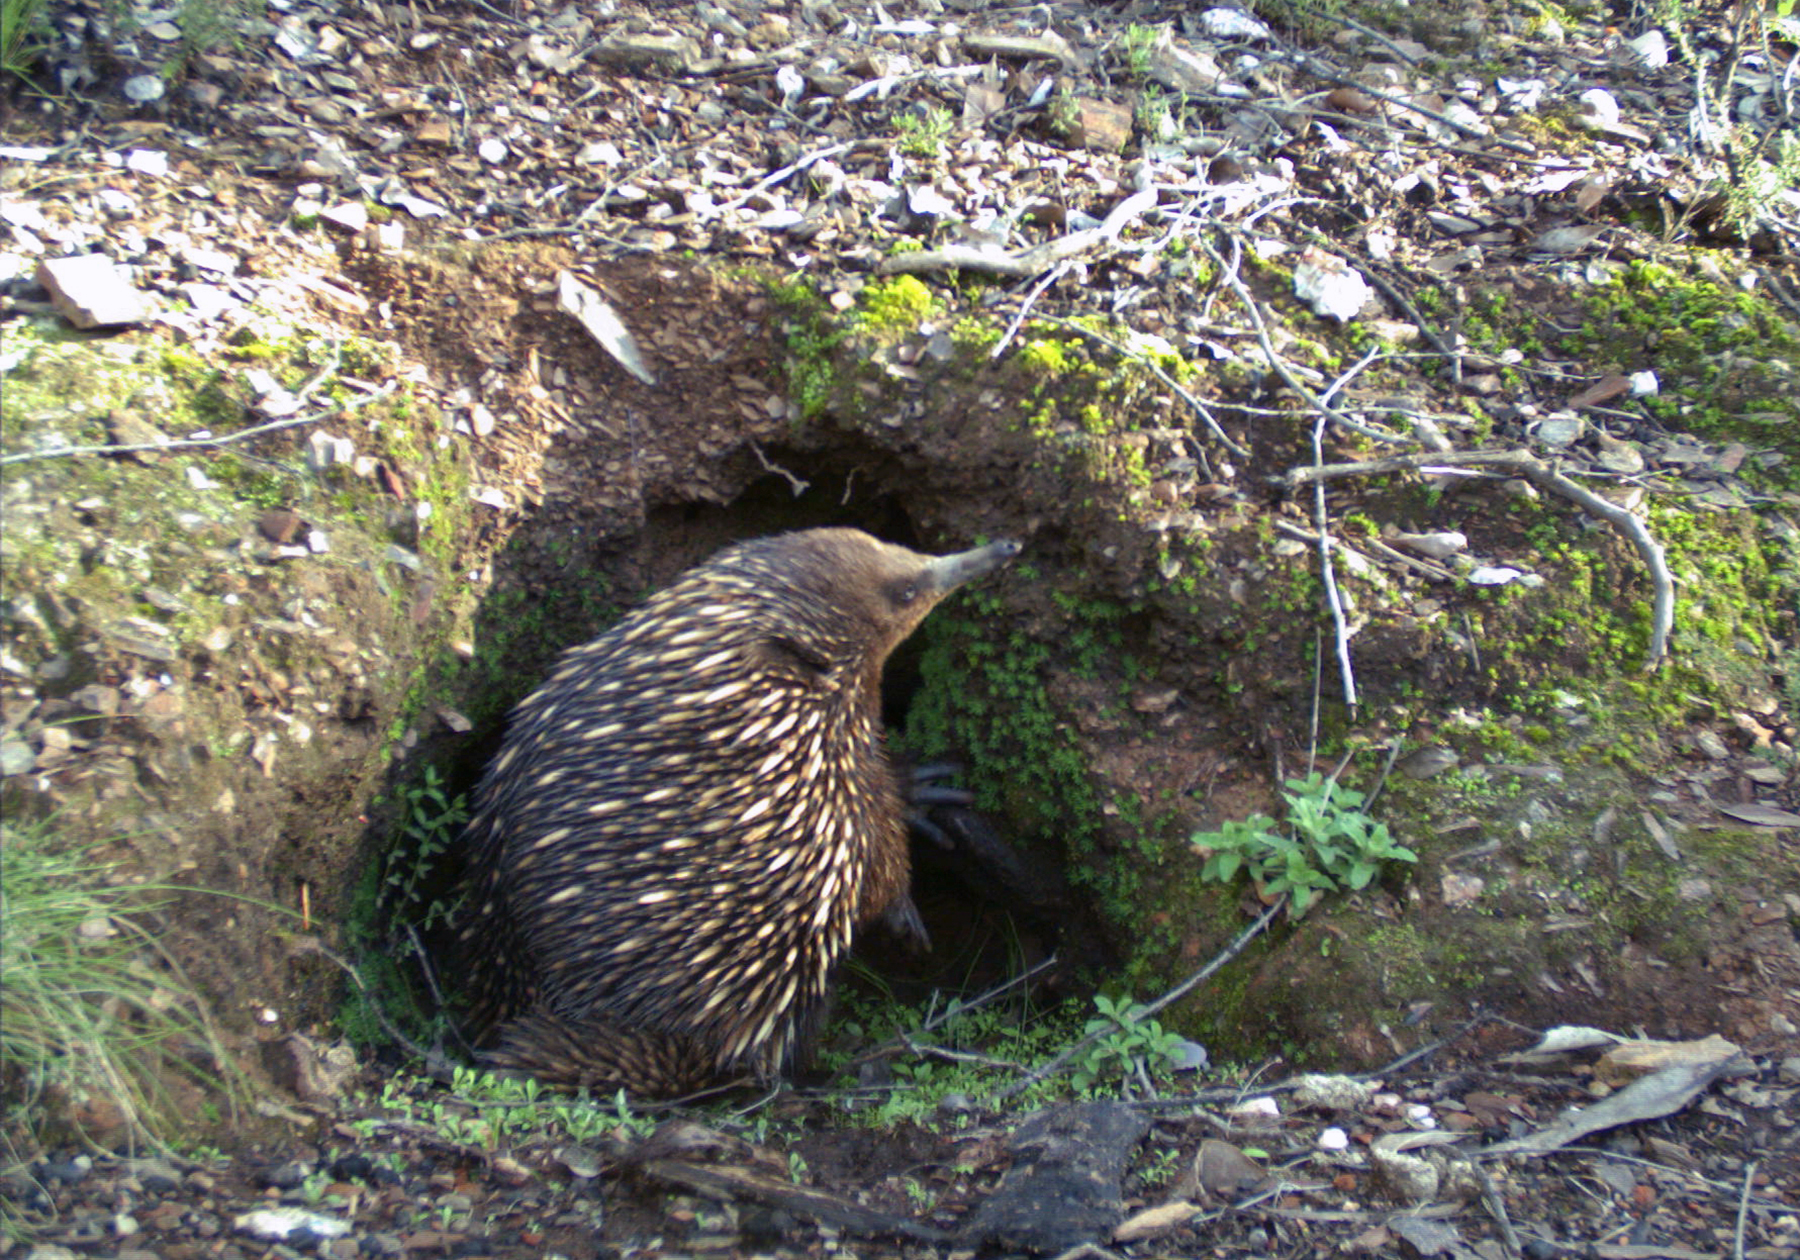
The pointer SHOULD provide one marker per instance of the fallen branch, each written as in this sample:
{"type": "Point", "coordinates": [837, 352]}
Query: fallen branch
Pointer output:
{"type": "Point", "coordinates": [182, 444]}
{"type": "Point", "coordinates": [1000, 261]}
{"type": "Point", "coordinates": [1327, 574]}
{"type": "Point", "coordinates": [1541, 475]}
{"type": "Point", "coordinates": [769, 181]}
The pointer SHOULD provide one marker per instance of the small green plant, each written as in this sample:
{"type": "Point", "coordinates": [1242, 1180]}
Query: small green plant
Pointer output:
{"type": "Point", "coordinates": [1162, 1167]}
{"type": "Point", "coordinates": [1153, 116]}
{"type": "Point", "coordinates": [1329, 844]}
{"type": "Point", "coordinates": [1139, 42]}
{"type": "Point", "coordinates": [797, 1168]}
{"type": "Point", "coordinates": [1130, 1044]}
{"type": "Point", "coordinates": [432, 822]}
{"type": "Point", "coordinates": [923, 132]}
{"type": "Point", "coordinates": [1063, 114]}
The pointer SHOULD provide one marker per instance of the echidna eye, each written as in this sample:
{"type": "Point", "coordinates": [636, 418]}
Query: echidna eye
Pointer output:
{"type": "Point", "coordinates": [908, 593]}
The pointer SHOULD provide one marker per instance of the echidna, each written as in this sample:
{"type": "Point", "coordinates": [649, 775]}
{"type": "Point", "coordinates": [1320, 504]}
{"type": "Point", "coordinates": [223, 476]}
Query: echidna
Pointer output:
{"type": "Point", "coordinates": [692, 817]}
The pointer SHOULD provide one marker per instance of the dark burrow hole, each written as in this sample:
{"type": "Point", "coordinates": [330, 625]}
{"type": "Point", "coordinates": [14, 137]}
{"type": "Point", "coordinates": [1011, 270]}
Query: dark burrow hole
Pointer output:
{"type": "Point", "coordinates": [992, 902]}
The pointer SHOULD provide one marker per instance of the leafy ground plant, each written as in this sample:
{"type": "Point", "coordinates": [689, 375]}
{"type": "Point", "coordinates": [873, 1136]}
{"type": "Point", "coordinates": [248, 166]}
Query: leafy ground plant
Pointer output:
{"type": "Point", "coordinates": [1132, 1045]}
{"type": "Point", "coordinates": [1328, 845]}
{"type": "Point", "coordinates": [97, 1016]}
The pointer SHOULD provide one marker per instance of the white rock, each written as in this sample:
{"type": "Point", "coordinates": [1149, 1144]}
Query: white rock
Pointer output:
{"type": "Point", "coordinates": [351, 215]}
{"type": "Point", "coordinates": [1333, 1139]}
{"type": "Point", "coordinates": [1559, 429]}
{"type": "Point", "coordinates": [1232, 24]}
{"type": "Point", "coordinates": [1439, 546]}
{"type": "Point", "coordinates": [1330, 285]}
{"type": "Point", "coordinates": [323, 450]}
{"type": "Point", "coordinates": [284, 1222]}
{"type": "Point", "coordinates": [1650, 49]}
{"type": "Point", "coordinates": [1494, 575]}
{"type": "Point", "coordinates": [91, 291]}
{"type": "Point", "coordinates": [1263, 1106]}
{"type": "Point", "coordinates": [1599, 108]}
{"type": "Point", "coordinates": [144, 88]}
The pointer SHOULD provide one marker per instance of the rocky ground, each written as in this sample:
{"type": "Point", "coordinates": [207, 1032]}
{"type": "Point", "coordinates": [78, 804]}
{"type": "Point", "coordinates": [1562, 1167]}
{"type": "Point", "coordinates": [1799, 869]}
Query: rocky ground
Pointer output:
{"type": "Point", "coordinates": [344, 465]}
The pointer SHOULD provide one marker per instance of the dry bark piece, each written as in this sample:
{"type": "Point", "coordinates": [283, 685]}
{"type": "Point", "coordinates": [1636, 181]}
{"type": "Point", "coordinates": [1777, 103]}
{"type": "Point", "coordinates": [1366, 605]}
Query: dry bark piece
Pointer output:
{"type": "Point", "coordinates": [1049, 45]}
{"type": "Point", "coordinates": [1063, 1189]}
{"type": "Point", "coordinates": [1186, 71]}
{"type": "Point", "coordinates": [603, 324]}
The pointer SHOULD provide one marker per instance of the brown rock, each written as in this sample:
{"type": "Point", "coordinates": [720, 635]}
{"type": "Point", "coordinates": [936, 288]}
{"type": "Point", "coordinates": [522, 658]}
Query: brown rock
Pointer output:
{"type": "Point", "coordinates": [128, 428]}
{"type": "Point", "coordinates": [673, 54]}
{"type": "Point", "coordinates": [1101, 125]}
{"type": "Point", "coordinates": [280, 526]}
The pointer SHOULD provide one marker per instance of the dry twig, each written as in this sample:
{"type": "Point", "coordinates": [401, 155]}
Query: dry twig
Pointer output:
{"type": "Point", "coordinates": [1180, 991]}
{"type": "Point", "coordinates": [1541, 475]}
{"type": "Point", "coordinates": [1000, 261]}
{"type": "Point", "coordinates": [183, 444]}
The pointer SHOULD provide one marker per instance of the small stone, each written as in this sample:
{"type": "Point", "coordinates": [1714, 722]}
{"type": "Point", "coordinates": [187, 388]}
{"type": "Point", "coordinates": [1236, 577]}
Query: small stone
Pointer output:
{"type": "Point", "coordinates": [1439, 546]}
{"type": "Point", "coordinates": [279, 525]}
{"type": "Point", "coordinates": [1405, 1178]}
{"type": "Point", "coordinates": [141, 89]}
{"type": "Point", "coordinates": [352, 216]}
{"type": "Point", "coordinates": [323, 450]}
{"type": "Point", "coordinates": [1710, 744]}
{"type": "Point", "coordinates": [16, 757]}
{"type": "Point", "coordinates": [155, 1175]}
{"type": "Point", "coordinates": [288, 1175]}
{"type": "Point", "coordinates": [1560, 429]}
{"type": "Point", "coordinates": [509, 1172]}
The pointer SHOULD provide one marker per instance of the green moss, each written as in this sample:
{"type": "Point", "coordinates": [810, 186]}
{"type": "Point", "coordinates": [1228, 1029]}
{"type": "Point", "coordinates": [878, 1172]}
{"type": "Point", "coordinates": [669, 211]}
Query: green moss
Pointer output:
{"type": "Point", "coordinates": [898, 305]}
{"type": "Point", "coordinates": [1728, 359]}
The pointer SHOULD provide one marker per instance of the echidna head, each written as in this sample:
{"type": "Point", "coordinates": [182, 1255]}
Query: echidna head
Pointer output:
{"type": "Point", "coordinates": [878, 591]}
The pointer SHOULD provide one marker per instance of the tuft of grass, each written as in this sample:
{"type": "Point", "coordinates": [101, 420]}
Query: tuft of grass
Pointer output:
{"type": "Point", "coordinates": [99, 1019]}
{"type": "Point", "coordinates": [22, 32]}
